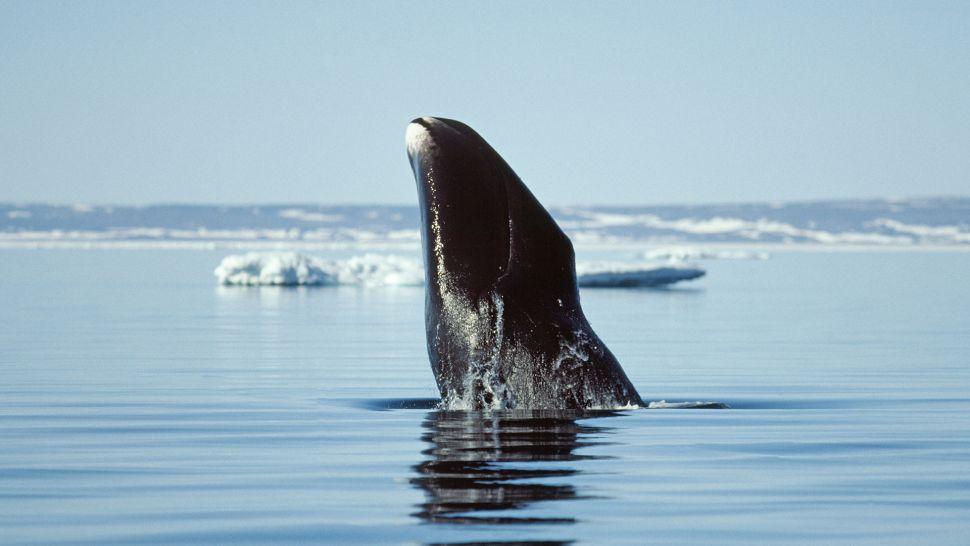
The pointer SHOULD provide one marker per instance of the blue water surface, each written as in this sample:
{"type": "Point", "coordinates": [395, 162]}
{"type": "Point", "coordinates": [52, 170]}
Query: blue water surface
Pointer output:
{"type": "Point", "coordinates": [143, 404]}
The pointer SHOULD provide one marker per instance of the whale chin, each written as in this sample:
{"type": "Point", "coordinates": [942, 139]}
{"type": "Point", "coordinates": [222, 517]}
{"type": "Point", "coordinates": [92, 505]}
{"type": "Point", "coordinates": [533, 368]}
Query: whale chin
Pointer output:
{"type": "Point", "coordinates": [505, 329]}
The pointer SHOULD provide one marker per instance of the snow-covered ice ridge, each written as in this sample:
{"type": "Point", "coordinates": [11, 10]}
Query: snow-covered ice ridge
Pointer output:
{"type": "Point", "coordinates": [373, 270]}
{"type": "Point", "coordinates": [885, 222]}
{"type": "Point", "coordinates": [293, 269]}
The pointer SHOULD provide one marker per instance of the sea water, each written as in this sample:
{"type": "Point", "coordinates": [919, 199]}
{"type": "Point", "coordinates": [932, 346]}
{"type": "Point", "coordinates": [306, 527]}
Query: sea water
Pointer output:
{"type": "Point", "coordinates": [143, 404]}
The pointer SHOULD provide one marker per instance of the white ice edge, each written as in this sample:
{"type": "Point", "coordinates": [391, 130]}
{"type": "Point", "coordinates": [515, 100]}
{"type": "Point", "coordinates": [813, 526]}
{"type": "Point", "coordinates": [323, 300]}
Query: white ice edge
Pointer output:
{"type": "Point", "coordinates": [583, 227]}
{"type": "Point", "coordinates": [633, 274]}
{"type": "Point", "coordinates": [663, 404]}
{"type": "Point", "coordinates": [368, 270]}
{"type": "Point", "coordinates": [692, 253]}
{"type": "Point", "coordinates": [294, 269]}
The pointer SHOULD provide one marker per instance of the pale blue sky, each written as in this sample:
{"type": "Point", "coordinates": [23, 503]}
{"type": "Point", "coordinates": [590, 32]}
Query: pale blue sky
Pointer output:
{"type": "Point", "coordinates": [138, 102]}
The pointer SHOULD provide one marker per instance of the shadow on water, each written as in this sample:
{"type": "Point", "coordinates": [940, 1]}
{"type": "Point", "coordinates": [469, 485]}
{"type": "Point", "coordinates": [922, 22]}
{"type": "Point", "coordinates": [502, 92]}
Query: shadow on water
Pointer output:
{"type": "Point", "coordinates": [483, 469]}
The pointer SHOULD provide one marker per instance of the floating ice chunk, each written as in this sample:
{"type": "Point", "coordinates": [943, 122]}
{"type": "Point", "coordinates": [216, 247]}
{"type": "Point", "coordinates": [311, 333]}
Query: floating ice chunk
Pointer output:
{"type": "Point", "coordinates": [305, 216]}
{"type": "Point", "coordinates": [293, 269]}
{"type": "Point", "coordinates": [274, 268]}
{"type": "Point", "coordinates": [663, 404]}
{"type": "Point", "coordinates": [378, 270]}
{"type": "Point", "coordinates": [686, 253]}
{"type": "Point", "coordinates": [619, 274]}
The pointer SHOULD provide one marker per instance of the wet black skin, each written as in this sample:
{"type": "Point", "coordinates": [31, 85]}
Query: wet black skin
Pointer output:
{"type": "Point", "coordinates": [502, 312]}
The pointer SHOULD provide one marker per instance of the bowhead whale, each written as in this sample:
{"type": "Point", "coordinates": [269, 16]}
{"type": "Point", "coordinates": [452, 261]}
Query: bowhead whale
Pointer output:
{"type": "Point", "coordinates": [505, 329]}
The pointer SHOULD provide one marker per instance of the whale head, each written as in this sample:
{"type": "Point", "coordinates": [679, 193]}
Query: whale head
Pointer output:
{"type": "Point", "coordinates": [482, 226]}
{"type": "Point", "coordinates": [504, 325]}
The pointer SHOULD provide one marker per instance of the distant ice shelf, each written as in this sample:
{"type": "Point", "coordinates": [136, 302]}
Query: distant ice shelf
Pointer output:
{"type": "Point", "coordinates": [897, 223]}
{"type": "Point", "coordinates": [689, 253]}
{"type": "Point", "coordinates": [374, 270]}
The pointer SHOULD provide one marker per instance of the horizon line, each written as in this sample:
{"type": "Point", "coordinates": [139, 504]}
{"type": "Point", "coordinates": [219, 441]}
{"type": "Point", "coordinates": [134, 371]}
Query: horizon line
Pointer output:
{"type": "Point", "coordinates": [355, 204]}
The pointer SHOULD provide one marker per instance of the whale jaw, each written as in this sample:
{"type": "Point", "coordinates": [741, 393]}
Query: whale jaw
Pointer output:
{"type": "Point", "coordinates": [504, 326]}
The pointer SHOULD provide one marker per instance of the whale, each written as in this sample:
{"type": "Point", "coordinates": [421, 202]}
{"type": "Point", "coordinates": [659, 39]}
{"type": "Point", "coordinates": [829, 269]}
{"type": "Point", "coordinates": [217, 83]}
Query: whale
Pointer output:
{"type": "Point", "coordinates": [504, 326]}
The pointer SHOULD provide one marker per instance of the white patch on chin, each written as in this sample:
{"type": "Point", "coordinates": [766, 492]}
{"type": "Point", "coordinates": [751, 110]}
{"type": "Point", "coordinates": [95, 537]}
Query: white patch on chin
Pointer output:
{"type": "Point", "coordinates": [418, 138]}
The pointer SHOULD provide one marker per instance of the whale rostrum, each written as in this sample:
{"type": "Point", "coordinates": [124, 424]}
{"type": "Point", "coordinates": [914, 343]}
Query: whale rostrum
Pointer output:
{"type": "Point", "coordinates": [505, 329]}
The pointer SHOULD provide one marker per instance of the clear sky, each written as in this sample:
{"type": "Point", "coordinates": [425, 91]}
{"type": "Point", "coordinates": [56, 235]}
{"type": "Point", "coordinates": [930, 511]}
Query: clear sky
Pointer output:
{"type": "Point", "coordinates": [590, 102]}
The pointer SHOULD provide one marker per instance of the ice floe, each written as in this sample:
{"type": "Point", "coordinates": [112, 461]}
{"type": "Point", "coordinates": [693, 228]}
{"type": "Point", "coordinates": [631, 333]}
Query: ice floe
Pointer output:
{"type": "Point", "coordinates": [294, 269]}
{"type": "Point", "coordinates": [663, 404]}
{"type": "Point", "coordinates": [623, 274]}
{"type": "Point", "coordinates": [369, 270]}
{"type": "Point", "coordinates": [688, 253]}
{"type": "Point", "coordinates": [305, 216]}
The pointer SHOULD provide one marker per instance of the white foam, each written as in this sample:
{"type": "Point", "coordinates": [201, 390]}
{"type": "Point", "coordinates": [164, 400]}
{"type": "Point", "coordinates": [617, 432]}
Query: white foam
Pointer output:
{"type": "Point", "coordinates": [621, 274]}
{"type": "Point", "coordinates": [293, 269]}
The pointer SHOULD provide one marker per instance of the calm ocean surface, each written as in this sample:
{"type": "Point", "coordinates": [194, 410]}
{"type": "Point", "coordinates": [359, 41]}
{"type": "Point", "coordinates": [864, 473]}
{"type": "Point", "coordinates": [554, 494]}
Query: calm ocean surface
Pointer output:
{"type": "Point", "coordinates": [142, 404]}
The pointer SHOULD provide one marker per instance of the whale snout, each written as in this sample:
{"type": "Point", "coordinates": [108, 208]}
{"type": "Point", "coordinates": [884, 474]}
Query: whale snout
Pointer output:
{"type": "Point", "coordinates": [426, 133]}
{"type": "Point", "coordinates": [417, 138]}
{"type": "Point", "coordinates": [461, 183]}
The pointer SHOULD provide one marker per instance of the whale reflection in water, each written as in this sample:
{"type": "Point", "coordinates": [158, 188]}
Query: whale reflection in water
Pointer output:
{"type": "Point", "coordinates": [483, 468]}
